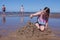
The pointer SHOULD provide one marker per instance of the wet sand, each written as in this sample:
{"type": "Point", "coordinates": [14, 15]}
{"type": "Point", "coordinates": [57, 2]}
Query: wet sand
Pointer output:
{"type": "Point", "coordinates": [21, 35]}
{"type": "Point", "coordinates": [56, 15]}
{"type": "Point", "coordinates": [30, 32]}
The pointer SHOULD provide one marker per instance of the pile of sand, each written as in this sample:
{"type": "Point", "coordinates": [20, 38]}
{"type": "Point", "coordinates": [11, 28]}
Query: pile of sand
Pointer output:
{"type": "Point", "coordinates": [30, 32]}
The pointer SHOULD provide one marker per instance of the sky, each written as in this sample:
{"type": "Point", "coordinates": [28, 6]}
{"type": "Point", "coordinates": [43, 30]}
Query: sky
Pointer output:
{"type": "Point", "coordinates": [30, 5]}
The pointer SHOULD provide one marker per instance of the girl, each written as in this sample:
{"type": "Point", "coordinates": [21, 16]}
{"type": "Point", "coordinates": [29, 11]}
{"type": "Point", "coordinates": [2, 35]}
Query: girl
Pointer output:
{"type": "Point", "coordinates": [42, 20]}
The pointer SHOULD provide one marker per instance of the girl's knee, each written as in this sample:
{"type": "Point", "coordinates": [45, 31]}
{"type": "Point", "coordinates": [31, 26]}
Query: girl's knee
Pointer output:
{"type": "Point", "coordinates": [42, 28]}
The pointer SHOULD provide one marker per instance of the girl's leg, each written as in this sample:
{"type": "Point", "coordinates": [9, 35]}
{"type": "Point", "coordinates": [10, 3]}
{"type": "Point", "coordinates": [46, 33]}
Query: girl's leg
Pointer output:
{"type": "Point", "coordinates": [46, 25]}
{"type": "Point", "coordinates": [37, 25]}
{"type": "Point", "coordinates": [42, 28]}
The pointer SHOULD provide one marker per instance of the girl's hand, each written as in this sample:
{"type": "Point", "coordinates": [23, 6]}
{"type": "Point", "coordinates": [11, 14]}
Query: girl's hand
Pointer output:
{"type": "Point", "coordinates": [31, 16]}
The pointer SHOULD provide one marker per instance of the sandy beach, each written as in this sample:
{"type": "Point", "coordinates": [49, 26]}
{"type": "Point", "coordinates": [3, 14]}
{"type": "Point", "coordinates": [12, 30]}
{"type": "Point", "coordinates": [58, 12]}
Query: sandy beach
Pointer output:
{"type": "Point", "coordinates": [30, 32]}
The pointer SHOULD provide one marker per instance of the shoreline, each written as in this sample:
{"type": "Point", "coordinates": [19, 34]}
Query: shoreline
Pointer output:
{"type": "Point", "coordinates": [27, 15]}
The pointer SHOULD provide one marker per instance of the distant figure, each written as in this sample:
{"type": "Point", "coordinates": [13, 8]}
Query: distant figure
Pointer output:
{"type": "Point", "coordinates": [22, 10]}
{"type": "Point", "coordinates": [22, 13]}
{"type": "Point", "coordinates": [42, 19]}
{"type": "Point", "coordinates": [3, 9]}
{"type": "Point", "coordinates": [3, 12]}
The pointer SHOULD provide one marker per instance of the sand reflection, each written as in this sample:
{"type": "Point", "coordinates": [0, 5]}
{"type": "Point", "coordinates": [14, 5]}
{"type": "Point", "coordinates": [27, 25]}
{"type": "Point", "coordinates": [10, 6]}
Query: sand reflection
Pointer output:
{"type": "Point", "coordinates": [3, 18]}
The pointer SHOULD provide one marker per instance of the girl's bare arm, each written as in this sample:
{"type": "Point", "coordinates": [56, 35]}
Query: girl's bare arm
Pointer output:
{"type": "Point", "coordinates": [36, 14]}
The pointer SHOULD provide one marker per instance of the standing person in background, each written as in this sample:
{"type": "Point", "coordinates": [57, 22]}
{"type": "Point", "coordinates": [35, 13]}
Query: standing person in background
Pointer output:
{"type": "Point", "coordinates": [3, 14]}
{"type": "Point", "coordinates": [42, 19]}
{"type": "Point", "coordinates": [22, 10]}
{"type": "Point", "coordinates": [3, 9]}
{"type": "Point", "coordinates": [22, 13]}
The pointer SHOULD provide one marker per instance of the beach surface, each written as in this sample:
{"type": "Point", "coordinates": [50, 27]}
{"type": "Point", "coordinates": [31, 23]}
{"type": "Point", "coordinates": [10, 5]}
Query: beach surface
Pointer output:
{"type": "Point", "coordinates": [30, 32]}
{"type": "Point", "coordinates": [27, 31]}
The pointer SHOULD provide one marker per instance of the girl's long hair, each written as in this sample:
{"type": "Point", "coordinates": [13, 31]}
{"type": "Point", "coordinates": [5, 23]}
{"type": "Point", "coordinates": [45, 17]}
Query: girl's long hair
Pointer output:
{"type": "Point", "coordinates": [47, 12]}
